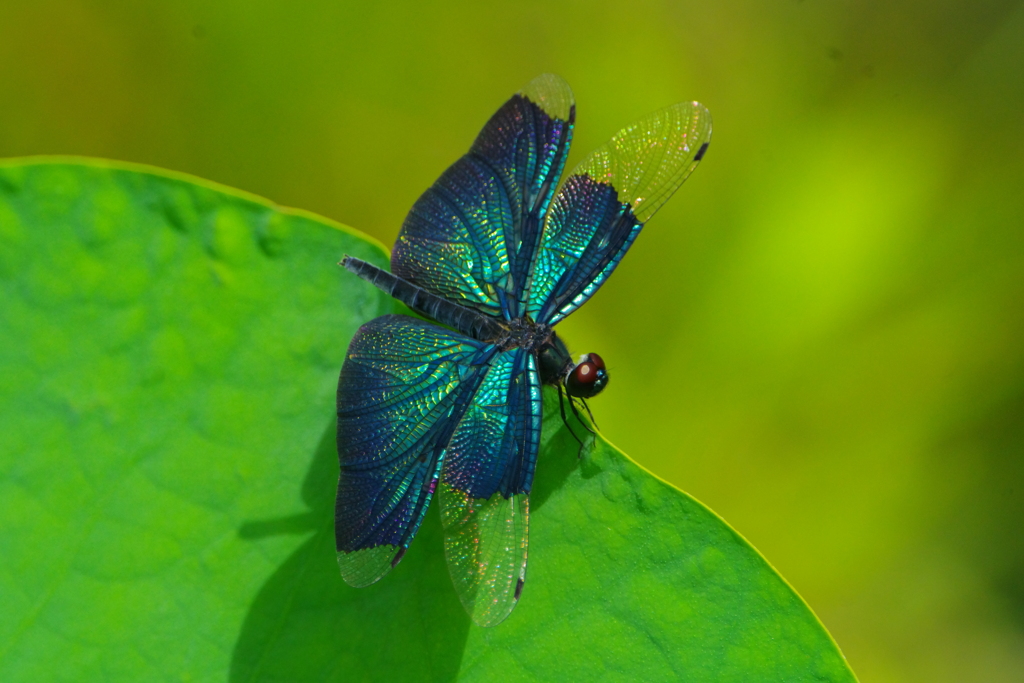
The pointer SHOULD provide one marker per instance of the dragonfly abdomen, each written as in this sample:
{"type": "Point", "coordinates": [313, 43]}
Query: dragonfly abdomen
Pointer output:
{"type": "Point", "coordinates": [469, 322]}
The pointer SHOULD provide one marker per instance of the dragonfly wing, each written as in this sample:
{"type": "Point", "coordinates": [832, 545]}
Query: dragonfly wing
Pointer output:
{"type": "Point", "coordinates": [471, 237]}
{"type": "Point", "coordinates": [485, 484]}
{"type": "Point", "coordinates": [485, 545]}
{"type": "Point", "coordinates": [601, 207]}
{"type": "Point", "coordinates": [403, 388]}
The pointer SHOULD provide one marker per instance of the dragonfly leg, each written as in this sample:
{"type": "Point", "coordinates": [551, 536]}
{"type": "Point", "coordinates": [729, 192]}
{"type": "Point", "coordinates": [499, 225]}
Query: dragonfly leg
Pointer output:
{"type": "Point", "coordinates": [565, 421]}
{"type": "Point", "coordinates": [579, 418]}
{"type": "Point", "coordinates": [576, 412]}
{"type": "Point", "coordinates": [592, 420]}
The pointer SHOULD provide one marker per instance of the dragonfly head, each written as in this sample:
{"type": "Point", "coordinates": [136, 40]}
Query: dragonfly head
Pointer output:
{"type": "Point", "coordinates": [587, 378]}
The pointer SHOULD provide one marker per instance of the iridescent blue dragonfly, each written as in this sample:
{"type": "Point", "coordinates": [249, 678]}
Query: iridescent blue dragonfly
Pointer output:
{"type": "Point", "coordinates": [497, 257]}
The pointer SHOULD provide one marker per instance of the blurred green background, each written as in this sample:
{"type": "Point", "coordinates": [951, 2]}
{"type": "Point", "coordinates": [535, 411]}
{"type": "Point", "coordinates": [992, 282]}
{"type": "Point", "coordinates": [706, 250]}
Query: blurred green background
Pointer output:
{"type": "Point", "coordinates": [821, 336]}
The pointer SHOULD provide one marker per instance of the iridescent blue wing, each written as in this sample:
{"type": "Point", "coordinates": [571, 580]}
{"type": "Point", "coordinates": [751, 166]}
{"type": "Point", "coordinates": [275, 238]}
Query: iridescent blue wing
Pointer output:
{"type": "Point", "coordinates": [485, 484]}
{"type": "Point", "coordinates": [494, 448]}
{"type": "Point", "coordinates": [472, 236]}
{"type": "Point", "coordinates": [403, 388]}
{"type": "Point", "coordinates": [603, 204]}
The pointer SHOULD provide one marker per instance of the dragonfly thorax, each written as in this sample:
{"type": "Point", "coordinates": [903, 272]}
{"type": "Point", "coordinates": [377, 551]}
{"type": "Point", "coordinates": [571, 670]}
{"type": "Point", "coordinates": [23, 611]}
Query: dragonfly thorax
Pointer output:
{"type": "Point", "coordinates": [524, 333]}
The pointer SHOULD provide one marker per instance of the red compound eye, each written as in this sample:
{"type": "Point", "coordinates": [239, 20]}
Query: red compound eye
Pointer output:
{"type": "Point", "coordinates": [585, 372]}
{"type": "Point", "coordinates": [588, 378]}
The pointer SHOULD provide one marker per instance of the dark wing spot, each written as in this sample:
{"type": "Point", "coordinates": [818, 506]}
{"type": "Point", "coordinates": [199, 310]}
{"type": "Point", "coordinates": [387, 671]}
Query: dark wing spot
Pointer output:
{"type": "Point", "coordinates": [519, 590]}
{"type": "Point", "coordinates": [398, 557]}
{"type": "Point", "coordinates": [700, 152]}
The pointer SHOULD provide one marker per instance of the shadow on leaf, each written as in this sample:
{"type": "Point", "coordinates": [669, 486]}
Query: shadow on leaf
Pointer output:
{"type": "Point", "coordinates": [307, 624]}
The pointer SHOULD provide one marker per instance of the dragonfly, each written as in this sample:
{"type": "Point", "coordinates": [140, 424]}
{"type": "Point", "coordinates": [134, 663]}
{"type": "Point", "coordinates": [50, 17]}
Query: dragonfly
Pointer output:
{"type": "Point", "coordinates": [491, 257]}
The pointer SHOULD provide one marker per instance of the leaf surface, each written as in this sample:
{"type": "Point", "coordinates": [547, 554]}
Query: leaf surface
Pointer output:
{"type": "Point", "coordinates": [168, 363]}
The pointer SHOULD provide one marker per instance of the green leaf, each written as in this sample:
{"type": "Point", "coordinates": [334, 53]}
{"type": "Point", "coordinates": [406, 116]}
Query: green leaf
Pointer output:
{"type": "Point", "coordinates": [167, 470]}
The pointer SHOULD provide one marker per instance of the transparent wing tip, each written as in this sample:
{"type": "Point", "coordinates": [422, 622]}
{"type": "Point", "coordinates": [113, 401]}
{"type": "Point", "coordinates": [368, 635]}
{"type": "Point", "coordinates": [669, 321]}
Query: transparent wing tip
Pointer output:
{"type": "Point", "coordinates": [491, 613]}
{"type": "Point", "coordinates": [552, 94]}
{"type": "Point", "coordinates": [485, 546]}
{"type": "Point", "coordinates": [700, 121]}
{"type": "Point", "coordinates": [488, 613]}
{"type": "Point", "coordinates": [360, 568]}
